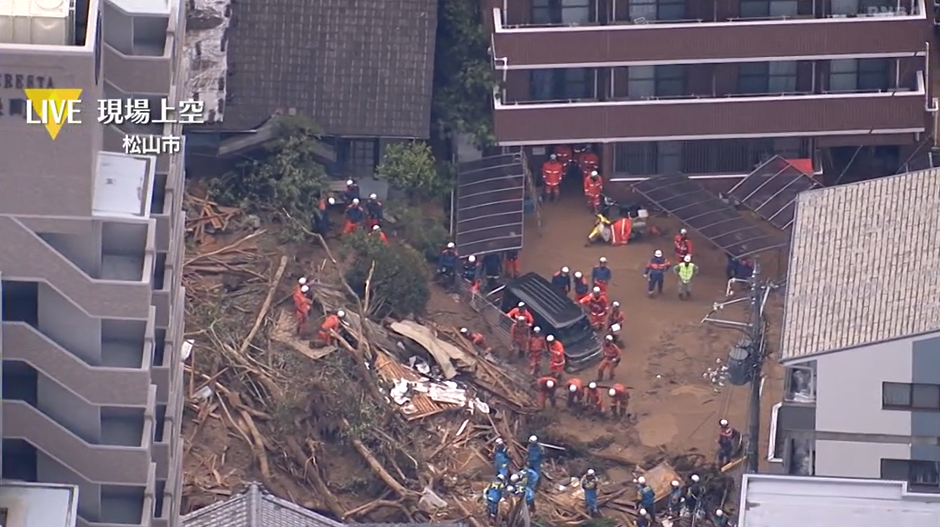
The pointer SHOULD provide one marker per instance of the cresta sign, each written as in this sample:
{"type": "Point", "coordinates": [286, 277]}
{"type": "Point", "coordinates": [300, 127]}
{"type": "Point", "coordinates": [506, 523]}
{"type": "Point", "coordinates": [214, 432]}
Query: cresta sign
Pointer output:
{"type": "Point", "coordinates": [13, 99]}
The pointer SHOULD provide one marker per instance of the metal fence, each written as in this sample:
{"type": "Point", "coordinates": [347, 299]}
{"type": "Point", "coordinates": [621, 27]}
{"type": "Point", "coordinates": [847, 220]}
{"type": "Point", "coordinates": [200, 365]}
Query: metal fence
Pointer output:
{"type": "Point", "coordinates": [496, 321]}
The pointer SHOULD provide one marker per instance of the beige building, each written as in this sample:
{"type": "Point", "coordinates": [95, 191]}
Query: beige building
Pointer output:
{"type": "Point", "coordinates": [91, 246]}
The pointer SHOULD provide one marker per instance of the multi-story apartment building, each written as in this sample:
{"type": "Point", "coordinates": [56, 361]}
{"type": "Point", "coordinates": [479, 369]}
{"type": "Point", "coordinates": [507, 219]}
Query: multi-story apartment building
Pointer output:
{"type": "Point", "coordinates": [713, 87]}
{"type": "Point", "coordinates": [91, 246]}
{"type": "Point", "coordinates": [861, 334]}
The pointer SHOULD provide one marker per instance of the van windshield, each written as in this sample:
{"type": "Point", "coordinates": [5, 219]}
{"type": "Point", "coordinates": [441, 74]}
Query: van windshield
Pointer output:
{"type": "Point", "coordinates": [575, 332]}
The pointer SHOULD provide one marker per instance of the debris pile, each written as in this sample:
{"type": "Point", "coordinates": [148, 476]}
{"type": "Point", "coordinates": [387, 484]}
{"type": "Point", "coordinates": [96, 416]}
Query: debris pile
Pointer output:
{"type": "Point", "coordinates": [409, 403]}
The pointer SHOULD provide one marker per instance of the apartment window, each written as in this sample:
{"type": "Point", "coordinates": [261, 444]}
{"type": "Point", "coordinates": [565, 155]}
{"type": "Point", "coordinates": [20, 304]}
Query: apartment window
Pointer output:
{"type": "Point", "coordinates": [924, 474]}
{"type": "Point", "coordinates": [568, 12]}
{"type": "Point", "coordinates": [669, 157]}
{"type": "Point", "coordinates": [361, 155]}
{"type": "Point", "coordinates": [767, 77]}
{"type": "Point", "coordinates": [644, 159]}
{"type": "Point", "coordinates": [645, 82]}
{"type": "Point", "coordinates": [768, 8]}
{"type": "Point", "coordinates": [907, 396]}
{"type": "Point", "coordinates": [562, 84]}
{"type": "Point", "coordinates": [800, 385]}
{"type": "Point", "coordinates": [657, 9]}
{"type": "Point", "coordinates": [859, 75]}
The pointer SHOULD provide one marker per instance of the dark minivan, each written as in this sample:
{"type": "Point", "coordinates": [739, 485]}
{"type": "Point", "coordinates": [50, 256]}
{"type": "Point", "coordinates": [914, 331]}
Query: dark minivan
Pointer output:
{"type": "Point", "coordinates": [557, 315]}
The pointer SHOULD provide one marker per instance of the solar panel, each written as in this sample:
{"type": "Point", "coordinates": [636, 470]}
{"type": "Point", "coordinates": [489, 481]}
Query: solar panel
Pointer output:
{"type": "Point", "coordinates": [700, 210]}
{"type": "Point", "coordinates": [770, 191]}
{"type": "Point", "coordinates": [490, 202]}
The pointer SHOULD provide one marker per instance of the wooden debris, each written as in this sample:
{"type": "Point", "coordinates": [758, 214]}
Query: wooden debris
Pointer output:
{"type": "Point", "coordinates": [206, 217]}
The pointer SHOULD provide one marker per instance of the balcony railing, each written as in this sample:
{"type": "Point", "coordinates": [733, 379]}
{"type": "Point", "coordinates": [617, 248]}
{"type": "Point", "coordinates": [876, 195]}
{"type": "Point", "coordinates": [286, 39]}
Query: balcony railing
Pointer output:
{"type": "Point", "coordinates": [689, 41]}
{"type": "Point", "coordinates": [894, 112]}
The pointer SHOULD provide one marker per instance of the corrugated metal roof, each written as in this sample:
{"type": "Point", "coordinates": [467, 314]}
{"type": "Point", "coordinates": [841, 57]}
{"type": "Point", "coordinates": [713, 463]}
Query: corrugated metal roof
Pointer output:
{"type": "Point", "coordinates": [864, 263]}
{"type": "Point", "coordinates": [785, 501]}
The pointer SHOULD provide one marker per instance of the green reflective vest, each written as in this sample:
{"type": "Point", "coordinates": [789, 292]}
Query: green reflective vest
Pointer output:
{"type": "Point", "coordinates": [685, 271]}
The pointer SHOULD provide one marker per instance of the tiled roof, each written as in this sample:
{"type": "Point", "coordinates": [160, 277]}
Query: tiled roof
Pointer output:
{"type": "Point", "coordinates": [864, 264]}
{"type": "Point", "coordinates": [356, 67]}
{"type": "Point", "coordinates": [255, 507]}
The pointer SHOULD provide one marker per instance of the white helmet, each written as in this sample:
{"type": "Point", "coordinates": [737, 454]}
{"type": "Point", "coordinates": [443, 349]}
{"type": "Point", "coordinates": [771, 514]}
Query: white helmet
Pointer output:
{"type": "Point", "coordinates": [577, 274]}
{"type": "Point", "coordinates": [464, 331]}
{"type": "Point", "coordinates": [612, 392]}
{"type": "Point", "coordinates": [594, 173]}
{"type": "Point", "coordinates": [687, 258]}
{"type": "Point", "coordinates": [549, 384]}
{"type": "Point", "coordinates": [564, 270]}
{"type": "Point", "coordinates": [510, 489]}
{"type": "Point", "coordinates": [533, 439]}
{"type": "Point", "coordinates": [609, 338]}
{"type": "Point", "coordinates": [373, 196]}
{"type": "Point", "coordinates": [657, 254]}
{"type": "Point", "coordinates": [675, 483]}
{"type": "Point", "coordinates": [355, 201]}
{"type": "Point", "coordinates": [341, 314]}
{"type": "Point", "coordinates": [471, 258]}
{"type": "Point", "coordinates": [331, 201]}
{"type": "Point", "coordinates": [695, 478]}
{"type": "Point", "coordinates": [550, 338]}
{"type": "Point", "coordinates": [602, 259]}
{"type": "Point", "coordinates": [592, 385]}
{"type": "Point", "coordinates": [572, 388]}
{"type": "Point", "coordinates": [349, 182]}
{"type": "Point", "coordinates": [723, 423]}
{"type": "Point", "coordinates": [536, 329]}
{"type": "Point", "coordinates": [514, 478]}
{"type": "Point", "coordinates": [304, 289]}
{"type": "Point", "coordinates": [596, 289]}
{"type": "Point", "coordinates": [590, 472]}
{"type": "Point", "coordinates": [499, 440]}
{"type": "Point", "coordinates": [450, 245]}
{"type": "Point", "coordinates": [520, 319]}
{"type": "Point", "coordinates": [642, 512]}
{"type": "Point", "coordinates": [302, 280]}
{"type": "Point", "coordinates": [376, 228]}
{"type": "Point", "coordinates": [553, 156]}
{"type": "Point", "coordinates": [683, 231]}
{"type": "Point", "coordinates": [520, 305]}
{"type": "Point", "coordinates": [615, 304]}
{"type": "Point", "coordinates": [719, 513]}
{"type": "Point", "coordinates": [641, 480]}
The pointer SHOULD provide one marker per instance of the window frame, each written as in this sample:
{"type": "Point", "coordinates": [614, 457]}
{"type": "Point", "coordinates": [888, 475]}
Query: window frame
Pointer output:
{"type": "Point", "coordinates": [552, 12]}
{"type": "Point", "coordinates": [662, 10]}
{"type": "Point", "coordinates": [910, 405]}
{"type": "Point", "coordinates": [561, 82]}
{"type": "Point", "coordinates": [914, 470]}
{"type": "Point", "coordinates": [768, 8]}
{"type": "Point", "coordinates": [658, 78]}
{"type": "Point", "coordinates": [788, 393]}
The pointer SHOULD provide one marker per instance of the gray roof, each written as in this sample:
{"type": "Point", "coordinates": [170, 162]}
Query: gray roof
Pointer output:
{"type": "Point", "coordinates": [812, 501]}
{"type": "Point", "coordinates": [863, 264]}
{"type": "Point", "coordinates": [356, 67]}
{"type": "Point", "coordinates": [255, 507]}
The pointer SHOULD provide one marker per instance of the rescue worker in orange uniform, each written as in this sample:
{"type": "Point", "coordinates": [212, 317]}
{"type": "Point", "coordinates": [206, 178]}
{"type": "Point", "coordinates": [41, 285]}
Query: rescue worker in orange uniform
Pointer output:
{"type": "Point", "coordinates": [588, 161]}
{"type": "Point", "coordinates": [596, 304]}
{"type": "Point", "coordinates": [521, 310]}
{"type": "Point", "coordinates": [354, 216]}
{"type": "Point", "coordinates": [376, 232]}
{"type": "Point", "coordinates": [511, 264]}
{"type": "Point", "coordinates": [332, 323]}
{"type": "Point", "coordinates": [593, 188]}
{"type": "Point", "coordinates": [618, 400]}
{"type": "Point", "coordinates": [477, 339]}
{"type": "Point", "coordinates": [656, 273]}
{"type": "Point", "coordinates": [575, 392]}
{"type": "Point", "coordinates": [301, 304]}
{"type": "Point", "coordinates": [593, 402]}
{"type": "Point", "coordinates": [547, 387]}
{"type": "Point", "coordinates": [552, 172]}
{"type": "Point", "coordinates": [611, 359]}
{"type": "Point", "coordinates": [375, 211]}
{"type": "Point", "coordinates": [564, 154]}
{"type": "Point", "coordinates": [537, 348]}
{"type": "Point", "coordinates": [682, 244]}
{"type": "Point", "coordinates": [520, 332]}
{"type": "Point", "coordinates": [615, 317]}
{"type": "Point", "coordinates": [351, 191]}
{"type": "Point", "coordinates": [556, 356]}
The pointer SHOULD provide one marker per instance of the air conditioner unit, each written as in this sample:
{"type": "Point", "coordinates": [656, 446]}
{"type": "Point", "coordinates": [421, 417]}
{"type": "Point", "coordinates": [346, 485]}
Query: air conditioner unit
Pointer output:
{"type": "Point", "coordinates": [40, 22]}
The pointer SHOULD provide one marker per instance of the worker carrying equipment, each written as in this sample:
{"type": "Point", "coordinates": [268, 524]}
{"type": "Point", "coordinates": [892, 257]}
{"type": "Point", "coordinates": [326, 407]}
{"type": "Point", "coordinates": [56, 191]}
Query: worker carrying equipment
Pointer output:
{"type": "Point", "coordinates": [521, 310]}
{"type": "Point", "coordinates": [535, 453]}
{"type": "Point", "coordinates": [589, 486]}
{"type": "Point", "coordinates": [611, 358]}
{"type": "Point", "coordinates": [593, 190]}
{"type": "Point", "coordinates": [656, 273]}
{"type": "Point", "coordinates": [493, 495]}
{"type": "Point", "coordinates": [575, 393]}
{"type": "Point", "coordinates": [619, 398]}
{"type": "Point", "coordinates": [354, 216]}
{"type": "Point", "coordinates": [561, 281]}
{"type": "Point", "coordinates": [615, 321]}
{"type": "Point", "coordinates": [686, 271]}
{"type": "Point", "coordinates": [581, 286]}
{"type": "Point", "coordinates": [552, 173]}
{"type": "Point", "coordinates": [538, 347]}
{"type": "Point", "coordinates": [729, 442]}
{"type": "Point", "coordinates": [333, 323]}
{"type": "Point", "coordinates": [301, 304]}
{"type": "Point", "coordinates": [592, 399]}
{"type": "Point", "coordinates": [520, 332]}
{"type": "Point", "coordinates": [547, 387]}
{"type": "Point", "coordinates": [682, 244]}
{"type": "Point", "coordinates": [596, 304]}
{"type": "Point", "coordinates": [601, 274]}
{"type": "Point", "coordinates": [501, 458]}
{"type": "Point", "coordinates": [556, 356]}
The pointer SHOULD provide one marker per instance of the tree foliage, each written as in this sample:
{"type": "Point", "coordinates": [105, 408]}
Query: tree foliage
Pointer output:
{"type": "Point", "coordinates": [463, 72]}
{"type": "Point", "coordinates": [285, 177]}
{"type": "Point", "coordinates": [411, 167]}
{"type": "Point", "coordinates": [399, 281]}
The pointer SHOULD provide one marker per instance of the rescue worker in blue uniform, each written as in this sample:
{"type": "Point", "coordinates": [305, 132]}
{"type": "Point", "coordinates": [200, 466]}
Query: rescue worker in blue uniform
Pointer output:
{"type": "Point", "coordinates": [601, 275]}
{"type": "Point", "coordinates": [501, 458]}
{"type": "Point", "coordinates": [693, 493]}
{"type": "Point", "coordinates": [581, 287]}
{"type": "Point", "coordinates": [643, 518]}
{"type": "Point", "coordinates": [656, 273]}
{"type": "Point", "coordinates": [645, 496]}
{"type": "Point", "coordinates": [471, 270]}
{"type": "Point", "coordinates": [720, 519]}
{"type": "Point", "coordinates": [589, 486]}
{"type": "Point", "coordinates": [493, 495]}
{"type": "Point", "coordinates": [352, 191]}
{"type": "Point", "coordinates": [447, 261]}
{"type": "Point", "coordinates": [531, 478]}
{"type": "Point", "coordinates": [676, 495]}
{"type": "Point", "coordinates": [561, 281]}
{"type": "Point", "coordinates": [728, 441]}
{"type": "Point", "coordinates": [534, 455]}
{"type": "Point", "coordinates": [492, 269]}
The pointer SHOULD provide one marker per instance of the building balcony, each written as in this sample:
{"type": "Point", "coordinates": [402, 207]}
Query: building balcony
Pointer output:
{"type": "Point", "coordinates": [800, 37]}
{"type": "Point", "coordinates": [898, 111]}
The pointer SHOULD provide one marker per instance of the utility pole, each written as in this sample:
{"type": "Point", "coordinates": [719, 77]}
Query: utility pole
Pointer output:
{"type": "Point", "coordinates": [746, 360]}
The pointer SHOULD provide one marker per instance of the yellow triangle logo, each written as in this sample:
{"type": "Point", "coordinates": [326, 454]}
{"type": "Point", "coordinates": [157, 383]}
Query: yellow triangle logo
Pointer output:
{"type": "Point", "coordinates": [41, 100]}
